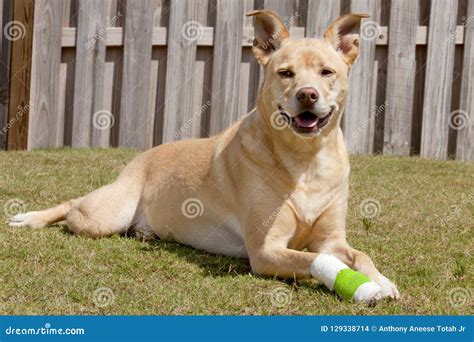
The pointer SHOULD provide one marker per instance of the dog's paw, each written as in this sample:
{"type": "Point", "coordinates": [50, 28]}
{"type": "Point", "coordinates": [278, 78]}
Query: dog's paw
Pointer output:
{"type": "Point", "coordinates": [389, 289]}
{"type": "Point", "coordinates": [31, 219]}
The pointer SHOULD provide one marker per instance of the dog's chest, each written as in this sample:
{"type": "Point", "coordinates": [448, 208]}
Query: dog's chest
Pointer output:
{"type": "Point", "coordinates": [309, 204]}
{"type": "Point", "coordinates": [314, 192]}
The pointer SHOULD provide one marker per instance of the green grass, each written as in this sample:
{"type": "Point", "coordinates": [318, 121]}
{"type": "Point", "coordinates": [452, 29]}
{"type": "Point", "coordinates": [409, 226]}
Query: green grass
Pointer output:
{"type": "Point", "coordinates": [421, 239]}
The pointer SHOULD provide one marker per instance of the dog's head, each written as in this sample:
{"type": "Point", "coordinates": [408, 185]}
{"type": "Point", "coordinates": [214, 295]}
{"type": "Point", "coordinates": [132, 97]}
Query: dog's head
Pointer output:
{"type": "Point", "coordinates": [305, 79]}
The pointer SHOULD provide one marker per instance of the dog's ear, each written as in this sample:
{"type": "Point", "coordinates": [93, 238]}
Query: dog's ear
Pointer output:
{"type": "Point", "coordinates": [269, 34]}
{"type": "Point", "coordinates": [343, 34]}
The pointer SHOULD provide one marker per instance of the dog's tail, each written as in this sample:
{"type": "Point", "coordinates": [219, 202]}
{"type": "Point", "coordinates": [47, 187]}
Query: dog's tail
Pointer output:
{"type": "Point", "coordinates": [40, 219]}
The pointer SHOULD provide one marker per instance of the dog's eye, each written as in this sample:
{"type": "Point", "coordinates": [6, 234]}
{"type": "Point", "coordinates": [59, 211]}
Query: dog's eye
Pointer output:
{"type": "Point", "coordinates": [286, 73]}
{"type": "Point", "coordinates": [327, 72]}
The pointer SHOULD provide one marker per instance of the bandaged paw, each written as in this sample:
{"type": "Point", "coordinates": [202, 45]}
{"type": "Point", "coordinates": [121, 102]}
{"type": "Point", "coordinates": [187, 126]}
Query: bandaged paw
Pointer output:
{"type": "Point", "coordinates": [347, 283]}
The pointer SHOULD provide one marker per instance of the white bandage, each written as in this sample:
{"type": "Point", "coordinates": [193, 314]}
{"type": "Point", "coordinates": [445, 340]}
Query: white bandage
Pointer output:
{"type": "Point", "coordinates": [366, 292]}
{"type": "Point", "coordinates": [325, 268]}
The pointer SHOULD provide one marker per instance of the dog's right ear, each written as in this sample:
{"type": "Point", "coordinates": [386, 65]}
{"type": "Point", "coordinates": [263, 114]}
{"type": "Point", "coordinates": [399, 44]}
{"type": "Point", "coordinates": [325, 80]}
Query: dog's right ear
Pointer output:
{"type": "Point", "coordinates": [269, 34]}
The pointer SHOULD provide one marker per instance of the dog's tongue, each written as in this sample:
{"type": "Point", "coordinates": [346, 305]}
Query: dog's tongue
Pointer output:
{"type": "Point", "coordinates": [306, 120]}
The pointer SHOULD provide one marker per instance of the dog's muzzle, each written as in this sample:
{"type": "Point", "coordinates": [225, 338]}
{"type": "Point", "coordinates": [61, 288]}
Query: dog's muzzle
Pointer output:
{"type": "Point", "coordinates": [306, 122]}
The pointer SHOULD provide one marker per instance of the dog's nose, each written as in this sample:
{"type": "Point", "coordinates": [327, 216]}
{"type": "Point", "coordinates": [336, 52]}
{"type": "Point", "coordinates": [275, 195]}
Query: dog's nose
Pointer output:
{"type": "Point", "coordinates": [307, 96]}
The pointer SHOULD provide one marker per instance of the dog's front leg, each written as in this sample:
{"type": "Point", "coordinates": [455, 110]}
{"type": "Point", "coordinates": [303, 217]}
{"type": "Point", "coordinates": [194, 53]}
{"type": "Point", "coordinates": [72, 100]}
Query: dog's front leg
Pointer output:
{"type": "Point", "coordinates": [268, 233]}
{"type": "Point", "coordinates": [330, 238]}
{"type": "Point", "coordinates": [269, 255]}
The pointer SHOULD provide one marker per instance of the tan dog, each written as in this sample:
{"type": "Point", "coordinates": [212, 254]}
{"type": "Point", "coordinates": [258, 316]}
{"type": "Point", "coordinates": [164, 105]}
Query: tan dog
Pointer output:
{"type": "Point", "coordinates": [272, 188]}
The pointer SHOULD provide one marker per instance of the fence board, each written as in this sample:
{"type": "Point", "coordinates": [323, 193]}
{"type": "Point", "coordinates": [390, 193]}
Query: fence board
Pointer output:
{"type": "Point", "coordinates": [44, 130]}
{"type": "Point", "coordinates": [439, 77]}
{"type": "Point", "coordinates": [226, 66]}
{"type": "Point", "coordinates": [358, 110]}
{"type": "Point", "coordinates": [321, 14]}
{"type": "Point", "coordinates": [5, 46]}
{"type": "Point", "coordinates": [179, 79]}
{"type": "Point", "coordinates": [114, 69]}
{"type": "Point", "coordinates": [465, 140]}
{"type": "Point", "coordinates": [401, 73]}
{"type": "Point", "coordinates": [202, 93]}
{"type": "Point", "coordinates": [89, 82]}
{"type": "Point", "coordinates": [250, 69]}
{"type": "Point", "coordinates": [284, 8]}
{"type": "Point", "coordinates": [136, 120]}
{"type": "Point", "coordinates": [20, 74]}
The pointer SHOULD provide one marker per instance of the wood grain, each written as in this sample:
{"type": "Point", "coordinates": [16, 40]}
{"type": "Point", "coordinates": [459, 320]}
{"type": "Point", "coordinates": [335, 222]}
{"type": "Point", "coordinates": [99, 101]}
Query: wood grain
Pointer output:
{"type": "Point", "coordinates": [226, 66]}
{"type": "Point", "coordinates": [465, 139]}
{"type": "Point", "coordinates": [44, 130]}
{"type": "Point", "coordinates": [6, 10]}
{"type": "Point", "coordinates": [320, 15]}
{"type": "Point", "coordinates": [183, 33]}
{"type": "Point", "coordinates": [358, 111]}
{"type": "Point", "coordinates": [20, 75]}
{"type": "Point", "coordinates": [89, 82]}
{"type": "Point", "coordinates": [401, 73]}
{"type": "Point", "coordinates": [439, 77]}
{"type": "Point", "coordinates": [136, 119]}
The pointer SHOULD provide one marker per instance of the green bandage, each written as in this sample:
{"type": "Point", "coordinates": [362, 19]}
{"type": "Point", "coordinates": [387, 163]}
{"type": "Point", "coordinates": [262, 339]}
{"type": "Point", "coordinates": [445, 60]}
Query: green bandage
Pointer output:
{"type": "Point", "coordinates": [348, 281]}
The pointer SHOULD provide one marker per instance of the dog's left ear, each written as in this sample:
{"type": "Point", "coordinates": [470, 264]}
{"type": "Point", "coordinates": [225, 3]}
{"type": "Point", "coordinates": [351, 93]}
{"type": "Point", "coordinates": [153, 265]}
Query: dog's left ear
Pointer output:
{"type": "Point", "coordinates": [269, 34]}
{"type": "Point", "coordinates": [343, 34]}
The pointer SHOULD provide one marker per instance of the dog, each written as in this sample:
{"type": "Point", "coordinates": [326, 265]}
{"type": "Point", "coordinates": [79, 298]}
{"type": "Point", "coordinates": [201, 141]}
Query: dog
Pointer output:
{"type": "Point", "coordinates": [272, 188]}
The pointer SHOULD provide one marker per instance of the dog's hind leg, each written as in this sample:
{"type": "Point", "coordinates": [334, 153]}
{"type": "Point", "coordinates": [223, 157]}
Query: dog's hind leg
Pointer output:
{"type": "Point", "coordinates": [40, 219]}
{"type": "Point", "coordinates": [105, 211]}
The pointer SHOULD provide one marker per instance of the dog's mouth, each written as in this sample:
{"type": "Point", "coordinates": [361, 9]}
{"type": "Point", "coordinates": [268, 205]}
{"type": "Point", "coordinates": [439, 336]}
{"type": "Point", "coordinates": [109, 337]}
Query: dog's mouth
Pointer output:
{"type": "Point", "coordinates": [307, 122]}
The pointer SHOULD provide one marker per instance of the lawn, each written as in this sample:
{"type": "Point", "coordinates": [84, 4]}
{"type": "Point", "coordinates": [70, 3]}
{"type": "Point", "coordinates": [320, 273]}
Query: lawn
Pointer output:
{"type": "Point", "coordinates": [414, 218]}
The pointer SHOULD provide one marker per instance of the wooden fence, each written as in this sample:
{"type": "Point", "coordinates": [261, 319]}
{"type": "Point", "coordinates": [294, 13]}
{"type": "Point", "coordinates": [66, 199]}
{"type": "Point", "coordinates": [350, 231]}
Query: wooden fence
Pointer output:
{"type": "Point", "coordinates": [138, 73]}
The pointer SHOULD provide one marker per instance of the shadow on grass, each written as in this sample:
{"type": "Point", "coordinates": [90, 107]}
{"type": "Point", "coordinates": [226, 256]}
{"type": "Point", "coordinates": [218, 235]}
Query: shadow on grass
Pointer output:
{"type": "Point", "coordinates": [224, 266]}
{"type": "Point", "coordinates": [213, 265]}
